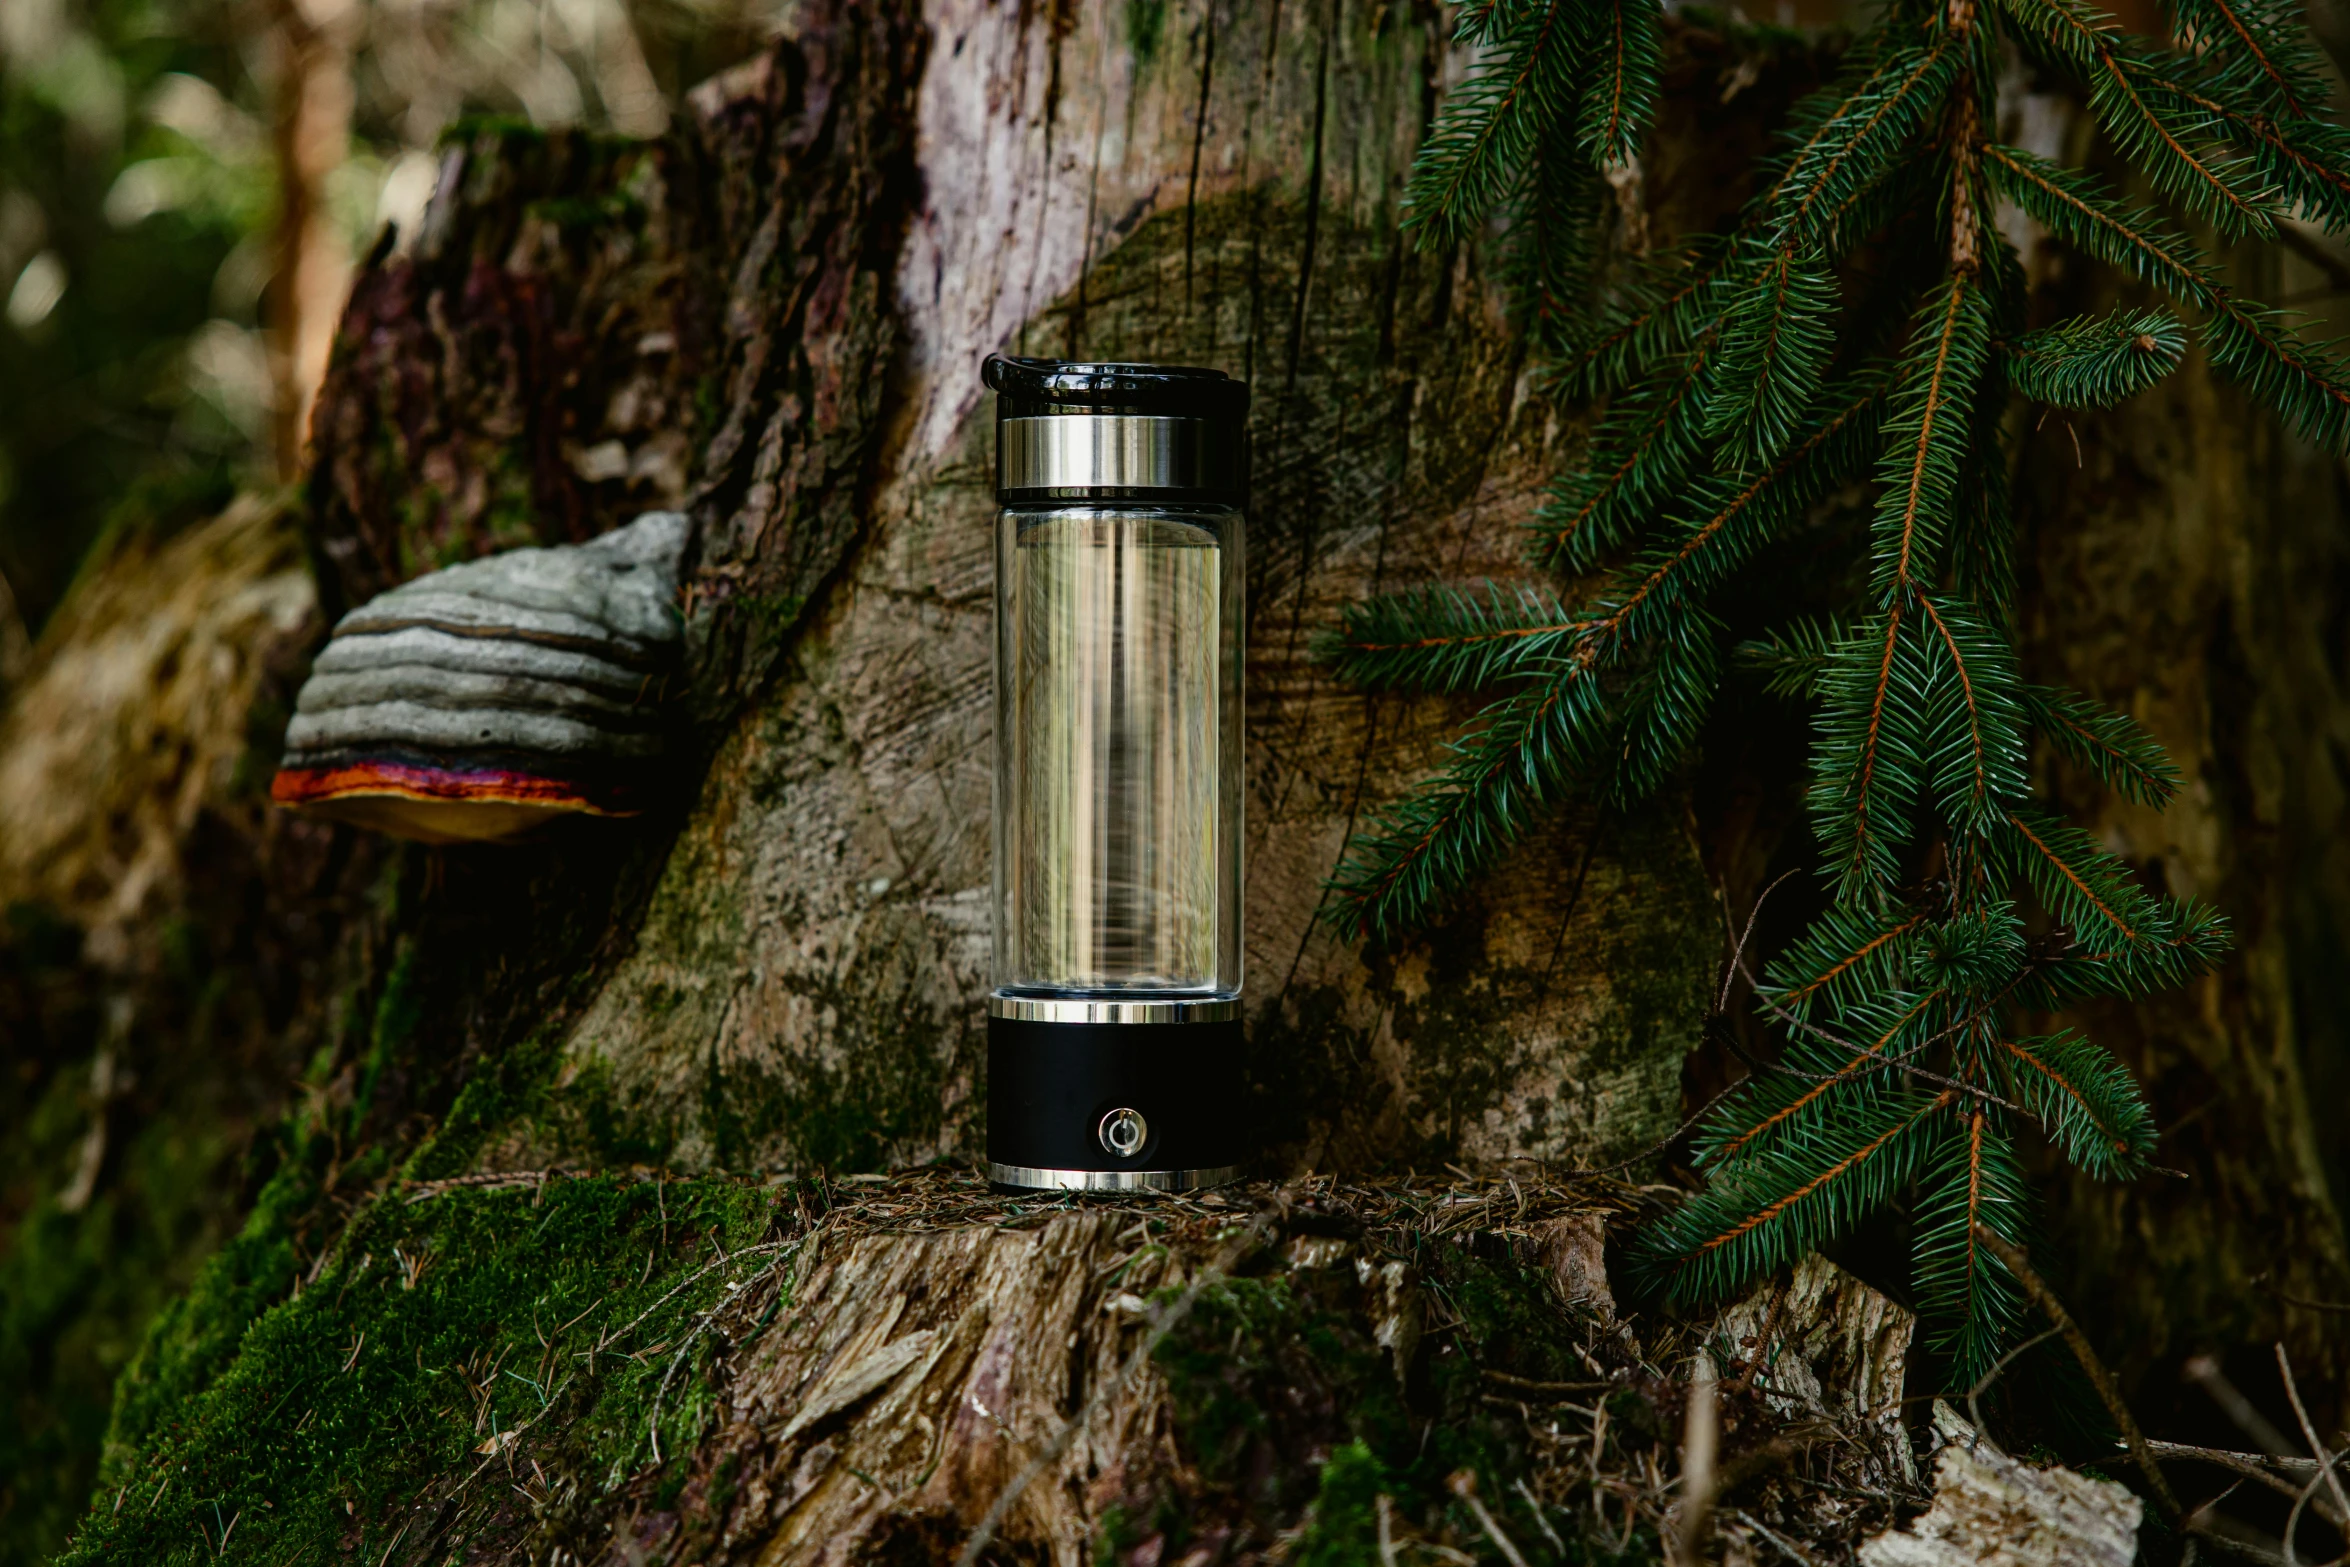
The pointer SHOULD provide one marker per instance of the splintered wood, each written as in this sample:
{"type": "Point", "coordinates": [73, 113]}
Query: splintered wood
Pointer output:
{"type": "Point", "coordinates": [916, 1373]}
{"type": "Point", "coordinates": [936, 1372]}
{"type": "Point", "coordinates": [1992, 1511]}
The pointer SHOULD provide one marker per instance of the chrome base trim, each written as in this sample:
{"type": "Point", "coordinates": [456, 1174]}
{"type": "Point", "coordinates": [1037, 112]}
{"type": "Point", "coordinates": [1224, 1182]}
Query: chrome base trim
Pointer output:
{"type": "Point", "coordinates": [1107, 451]}
{"type": "Point", "coordinates": [1071, 1009]}
{"type": "Point", "coordinates": [1110, 1180]}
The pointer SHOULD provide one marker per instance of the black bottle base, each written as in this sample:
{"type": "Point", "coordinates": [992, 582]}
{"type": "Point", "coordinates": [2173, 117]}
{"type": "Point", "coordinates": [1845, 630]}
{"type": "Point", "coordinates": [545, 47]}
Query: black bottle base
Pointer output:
{"type": "Point", "coordinates": [1113, 1107]}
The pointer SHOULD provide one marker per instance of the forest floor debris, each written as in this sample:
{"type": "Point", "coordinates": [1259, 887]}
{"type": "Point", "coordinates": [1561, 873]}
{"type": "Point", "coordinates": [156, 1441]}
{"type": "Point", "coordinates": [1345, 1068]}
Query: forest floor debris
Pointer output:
{"type": "Point", "coordinates": [639, 1367]}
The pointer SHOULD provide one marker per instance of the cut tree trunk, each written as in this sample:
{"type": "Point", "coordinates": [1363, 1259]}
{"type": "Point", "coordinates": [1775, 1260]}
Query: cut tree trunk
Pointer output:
{"type": "Point", "coordinates": [772, 318]}
{"type": "Point", "coordinates": [775, 320]}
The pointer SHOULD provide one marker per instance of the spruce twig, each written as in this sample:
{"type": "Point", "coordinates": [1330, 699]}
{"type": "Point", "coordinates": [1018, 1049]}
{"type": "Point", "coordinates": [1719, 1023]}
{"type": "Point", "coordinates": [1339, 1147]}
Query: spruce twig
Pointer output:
{"type": "Point", "coordinates": [1860, 321]}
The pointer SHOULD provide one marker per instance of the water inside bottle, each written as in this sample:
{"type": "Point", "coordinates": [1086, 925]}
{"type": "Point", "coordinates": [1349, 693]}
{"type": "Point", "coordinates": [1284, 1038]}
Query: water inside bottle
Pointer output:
{"type": "Point", "coordinates": [1113, 640]}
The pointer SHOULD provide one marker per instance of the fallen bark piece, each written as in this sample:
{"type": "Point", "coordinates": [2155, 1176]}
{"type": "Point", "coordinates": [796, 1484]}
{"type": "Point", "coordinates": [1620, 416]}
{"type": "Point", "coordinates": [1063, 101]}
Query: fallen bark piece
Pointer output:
{"type": "Point", "coordinates": [1992, 1511]}
{"type": "Point", "coordinates": [482, 700]}
{"type": "Point", "coordinates": [1574, 1249]}
{"type": "Point", "coordinates": [1829, 1346]}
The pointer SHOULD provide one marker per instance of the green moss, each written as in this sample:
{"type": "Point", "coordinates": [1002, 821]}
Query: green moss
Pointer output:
{"type": "Point", "coordinates": [437, 1325]}
{"type": "Point", "coordinates": [80, 1282]}
{"type": "Point", "coordinates": [508, 1088]}
{"type": "Point", "coordinates": [398, 1009]}
{"type": "Point", "coordinates": [1146, 23]}
{"type": "Point", "coordinates": [1344, 1529]}
{"type": "Point", "coordinates": [1283, 1400]}
{"type": "Point", "coordinates": [613, 1135]}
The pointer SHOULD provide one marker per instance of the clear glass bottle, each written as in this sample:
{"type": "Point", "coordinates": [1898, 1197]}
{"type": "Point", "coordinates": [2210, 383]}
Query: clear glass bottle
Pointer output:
{"type": "Point", "coordinates": [1118, 760]}
{"type": "Point", "coordinates": [1118, 793]}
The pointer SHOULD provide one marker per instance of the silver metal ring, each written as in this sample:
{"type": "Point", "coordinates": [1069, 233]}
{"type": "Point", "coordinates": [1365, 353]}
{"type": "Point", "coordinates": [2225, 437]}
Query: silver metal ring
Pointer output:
{"type": "Point", "coordinates": [1161, 1009]}
{"type": "Point", "coordinates": [1108, 451]}
{"type": "Point", "coordinates": [1122, 1133]}
{"type": "Point", "coordinates": [1111, 1180]}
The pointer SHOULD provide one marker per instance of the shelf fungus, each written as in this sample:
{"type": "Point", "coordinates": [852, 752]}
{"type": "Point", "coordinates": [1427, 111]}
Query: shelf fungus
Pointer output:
{"type": "Point", "coordinates": [480, 701]}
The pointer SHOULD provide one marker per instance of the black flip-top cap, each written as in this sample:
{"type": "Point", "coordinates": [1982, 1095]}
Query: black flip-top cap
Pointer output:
{"type": "Point", "coordinates": [1190, 441]}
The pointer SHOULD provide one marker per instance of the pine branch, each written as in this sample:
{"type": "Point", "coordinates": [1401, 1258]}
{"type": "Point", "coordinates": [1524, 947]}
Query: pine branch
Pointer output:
{"type": "Point", "coordinates": [1866, 763]}
{"type": "Point", "coordinates": [1644, 452]}
{"type": "Point", "coordinates": [1792, 658]}
{"type": "Point", "coordinates": [1440, 638]}
{"type": "Point", "coordinates": [1899, 1065]}
{"type": "Point", "coordinates": [2294, 377]}
{"type": "Point", "coordinates": [1488, 128]}
{"type": "Point", "coordinates": [1504, 772]}
{"type": "Point", "coordinates": [1926, 434]}
{"type": "Point", "coordinates": [1658, 310]}
{"type": "Point", "coordinates": [2260, 53]}
{"type": "Point", "coordinates": [1768, 1211]}
{"type": "Point", "coordinates": [1625, 51]}
{"type": "Point", "coordinates": [1776, 338]}
{"type": "Point", "coordinates": [2127, 97]}
{"type": "Point", "coordinates": [1728, 519]}
{"type": "Point", "coordinates": [1972, 956]}
{"type": "Point", "coordinates": [2251, 344]}
{"type": "Point", "coordinates": [2083, 884]}
{"type": "Point", "coordinates": [2198, 940]}
{"type": "Point", "coordinates": [1971, 1298]}
{"type": "Point", "coordinates": [2112, 745]}
{"type": "Point", "coordinates": [1863, 142]}
{"type": "Point", "coordinates": [1975, 746]}
{"type": "Point", "coordinates": [2072, 206]}
{"type": "Point", "coordinates": [1982, 527]}
{"type": "Point", "coordinates": [2095, 362]}
{"type": "Point", "coordinates": [2305, 160]}
{"type": "Point", "coordinates": [1550, 263]}
{"type": "Point", "coordinates": [1821, 1072]}
{"type": "Point", "coordinates": [1847, 957]}
{"type": "Point", "coordinates": [2086, 1099]}
{"type": "Point", "coordinates": [1665, 705]}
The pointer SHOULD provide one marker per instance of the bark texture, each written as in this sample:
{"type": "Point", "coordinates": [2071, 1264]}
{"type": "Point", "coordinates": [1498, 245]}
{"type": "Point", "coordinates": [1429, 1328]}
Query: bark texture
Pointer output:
{"type": "Point", "coordinates": [774, 318]}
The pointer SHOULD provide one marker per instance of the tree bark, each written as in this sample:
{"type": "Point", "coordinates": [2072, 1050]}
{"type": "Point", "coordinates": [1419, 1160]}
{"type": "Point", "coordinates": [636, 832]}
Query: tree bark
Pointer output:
{"type": "Point", "coordinates": [778, 326]}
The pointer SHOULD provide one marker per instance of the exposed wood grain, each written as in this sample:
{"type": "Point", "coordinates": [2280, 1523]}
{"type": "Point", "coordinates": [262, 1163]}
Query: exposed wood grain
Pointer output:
{"type": "Point", "coordinates": [816, 952]}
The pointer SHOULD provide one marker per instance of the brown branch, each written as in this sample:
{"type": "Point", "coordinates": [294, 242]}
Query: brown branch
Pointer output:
{"type": "Point", "coordinates": [1917, 471]}
{"type": "Point", "coordinates": [1851, 1069]}
{"type": "Point", "coordinates": [2070, 875]}
{"type": "Point", "coordinates": [2317, 1449]}
{"type": "Point", "coordinates": [2061, 1081]}
{"type": "Point", "coordinates": [1853, 1160]}
{"type": "Point", "coordinates": [1762, 1341]}
{"type": "Point", "coordinates": [2045, 1298]}
{"type": "Point", "coordinates": [2250, 1466]}
{"type": "Point", "coordinates": [1868, 755]}
{"type": "Point", "coordinates": [1966, 683]}
{"type": "Point", "coordinates": [1836, 970]}
{"type": "Point", "coordinates": [2195, 285]}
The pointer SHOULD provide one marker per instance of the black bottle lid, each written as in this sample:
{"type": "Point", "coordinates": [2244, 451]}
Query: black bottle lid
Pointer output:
{"type": "Point", "coordinates": [1165, 433]}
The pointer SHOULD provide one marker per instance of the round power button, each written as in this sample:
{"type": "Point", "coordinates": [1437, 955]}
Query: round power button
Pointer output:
{"type": "Point", "coordinates": [1122, 1132]}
